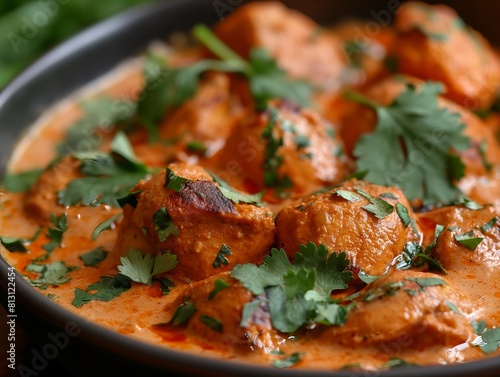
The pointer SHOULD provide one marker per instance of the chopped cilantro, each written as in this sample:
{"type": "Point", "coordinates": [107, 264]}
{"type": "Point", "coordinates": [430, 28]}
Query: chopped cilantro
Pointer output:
{"type": "Point", "coordinates": [388, 195]}
{"type": "Point", "coordinates": [94, 257]}
{"type": "Point", "coordinates": [288, 361]}
{"type": "Point", "coordinates": [379, 207]}
{"type": "Point", "coordinates": [469, 240]}
{"type": "Point", "coordinates": [142, 268]}
{"type": "Point", "coordinates": [55, 232]}
{"type": "Point", "coordinates": [174, 182]}
{"type": "Point", "coordinates": [428, 282]}
{"type": "Point", "coordinates": [14, 244]}
{"type": "Point", "coordinates": [403, 214]}
{"type": "Point", "coordinates": [105, 225]}
{"type": "Point", "coordinates": [165, 285]}
{"type": "Point", "coordinates": [413, 124]}
{"type": "Point", "coordinates": [211, 322]}
{"type": "Point", "coordinates": [219, 285]}
{"type": "Point", "coordinates": [108, 177]}
{"type": "Point", "coordinates": [183, 312]}
{"type": "Point", "coordinates": [51, 274]}
{"type": "Point", "coordinates": [301, 293]}
{"type": "Point", "coordinates": [21, 182]}
{"type": "Point", "coordinates": [164, 225]}
{"type": "Point", "coordinates": [453, 307]}
{"type": "Point", "coordinates": [368, 279]}
{"type": "Point", "coordinates": [221, 259]}
{"type": "Point", "coordinates": [414, 255]}
{"type": "Point", "coordinates": [106, 289]}
{"type": "Point", "coordinates": [197, 146]}
{"type": "Point", "coordinates": [489, 225]}
{"type": "Point", "coordinates": [488, 340]}
{"type": "Point", "coordinates": [266, 79]}
{"type": "Point", "coordinates": [387, 289]}
{"type": "Point", "coordinates": [468, 203]}
{"type": "Point", "coordinates": [235, 196]}
{"type": "Point", "coordinates": [396, 362]}
{"type": "Point", "coordinates": [347, 195]}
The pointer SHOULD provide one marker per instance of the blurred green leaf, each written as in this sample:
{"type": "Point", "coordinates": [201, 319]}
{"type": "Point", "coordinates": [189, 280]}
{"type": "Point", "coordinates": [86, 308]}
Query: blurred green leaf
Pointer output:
{"type": "Point", "coordinates": [28, 28]}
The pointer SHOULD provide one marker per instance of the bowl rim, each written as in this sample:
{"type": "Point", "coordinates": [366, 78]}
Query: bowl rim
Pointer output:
{"type": "Point", "coordinates": [160, 357]}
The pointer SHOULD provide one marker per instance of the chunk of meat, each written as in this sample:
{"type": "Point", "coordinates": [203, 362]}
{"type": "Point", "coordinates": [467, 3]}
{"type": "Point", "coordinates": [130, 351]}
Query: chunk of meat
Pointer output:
{"type": "Point", "coordinates": [299, 45]}
{"type": "Point", "coordinates": [226, 308]}
{"type": "Point", "coordinates": [208, 232]}
{"type": "Point", "coordinates": [340, 224]}
{"type": "Point", "coordinates": [460, 220]}
{"type": "Point", "coordinates": [359, 119]}
{"type": "Point", "coordinates": [41, 201]}
{"type": "Point", "coordinates": [204, 122]}
{"type": "Point", "coordinates": [433, 43]}
{"type": "Point", "coordinates": [400, 308]}
{"type": "Point", "coordinates": [285, 149]}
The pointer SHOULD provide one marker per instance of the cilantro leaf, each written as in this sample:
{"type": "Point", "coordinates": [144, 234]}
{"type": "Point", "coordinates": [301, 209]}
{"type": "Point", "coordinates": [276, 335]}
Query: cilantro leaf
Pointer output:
{"type": "Point", "coordinates": [142, 268]}
{"type": "Point", "coordinates": [183, 312]}
{"type": "Point", "coordinates": [468, 240]}
{"type": "Point", "coordinates": [174, 181]}
{"type": "Point", "coordinates": [105, 225]}
{"type": "Point", "coordinates": [266, 79]}
{"type": "Point", "coordinates": [108, 176]}
{"type": "Point", "coordinates": [235, 196]}
{"type": "Point", "coordinates": [14, 244]}
{"type": "Point", "coordinates": [348, 195]}
{"type": "Point", "coordinates": [414, 255]}
{"type": "Point", "coordinates": [50, 274]}
{"type": "Point", "coordinates": [379, 207]}
{"type": "Point", "coordinates": [489, 225]}
{"type": "Point", "coordinates": [288, 361]}
{"type": "Point", "coordinates": [21, 182]}
{"type": "Point", "coordinates": [94, 257]}
{"type": "Point", "coordinates": [221, 259]}
{"type": "Point", "coordinates": [488, 340]}
{"type": "Point", "coordinates": [428, 282]}
{"type": "Point", "coordinates": [413, 124]}
{"type": "Point", "coordinates": [297, 294]}
{"type": "Point", "coordinates": [219, 285]}
{"type": "Point", "coordinates": [164, 225]}
{"type": "Point", "coordinates": [55, 233]}
{"type": "Point", "coordinates": [211, 322]}
{"type": "Point", "coordinates": [106, 289]}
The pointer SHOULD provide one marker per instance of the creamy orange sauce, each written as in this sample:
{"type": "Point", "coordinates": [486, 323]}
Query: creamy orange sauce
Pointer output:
{"type": "Point", "coordinates": [142, 312]}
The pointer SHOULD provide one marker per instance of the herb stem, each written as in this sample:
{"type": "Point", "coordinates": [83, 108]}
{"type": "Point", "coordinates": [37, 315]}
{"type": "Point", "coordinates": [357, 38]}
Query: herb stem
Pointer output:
{"type": "Point", "coordinates": [204, 35]}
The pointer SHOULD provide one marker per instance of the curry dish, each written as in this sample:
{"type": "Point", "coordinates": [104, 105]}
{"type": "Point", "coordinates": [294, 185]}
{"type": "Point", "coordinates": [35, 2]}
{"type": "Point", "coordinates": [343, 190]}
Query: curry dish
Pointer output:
{"type": "Point", "coordinates": [274, 192]}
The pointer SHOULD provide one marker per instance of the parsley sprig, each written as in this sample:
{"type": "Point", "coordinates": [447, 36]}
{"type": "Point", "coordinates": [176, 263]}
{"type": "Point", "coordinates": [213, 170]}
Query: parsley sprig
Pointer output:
{"type": "Point", "coordinates": [297, 294]}
{"type": "Point", "coordinates": [412, 145]}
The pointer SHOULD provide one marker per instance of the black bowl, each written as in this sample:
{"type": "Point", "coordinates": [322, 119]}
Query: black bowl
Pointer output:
{"type": "Point", "coordinates": [81, 347]}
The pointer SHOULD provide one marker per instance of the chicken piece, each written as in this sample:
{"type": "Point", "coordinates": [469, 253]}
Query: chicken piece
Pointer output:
{"type": "Point", "coordinates": [202, 124]}
{"type": "Point", "coordinates": [208, 232]}
{"type": "Point", "coordinates": [41, 201]}
{"type": "Point", "coordinates": [360, 119]}
{"type": "Point", "coordinates": [433, 43]}
{"type": "Point", "coordinates": [287, 150]}
{"type": "Point", "coordinates": [399, 307]}
{"type": "Point", "coordinates": [341, 224]}
{"type": "Point", "coordinates": [225, 308]}
{"type": "Point", "coordinates": [459, 220]}
{"type": "Point", "coordinates": [366, 52]}
{"type": "Point", "coordinates": [299, 45]}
